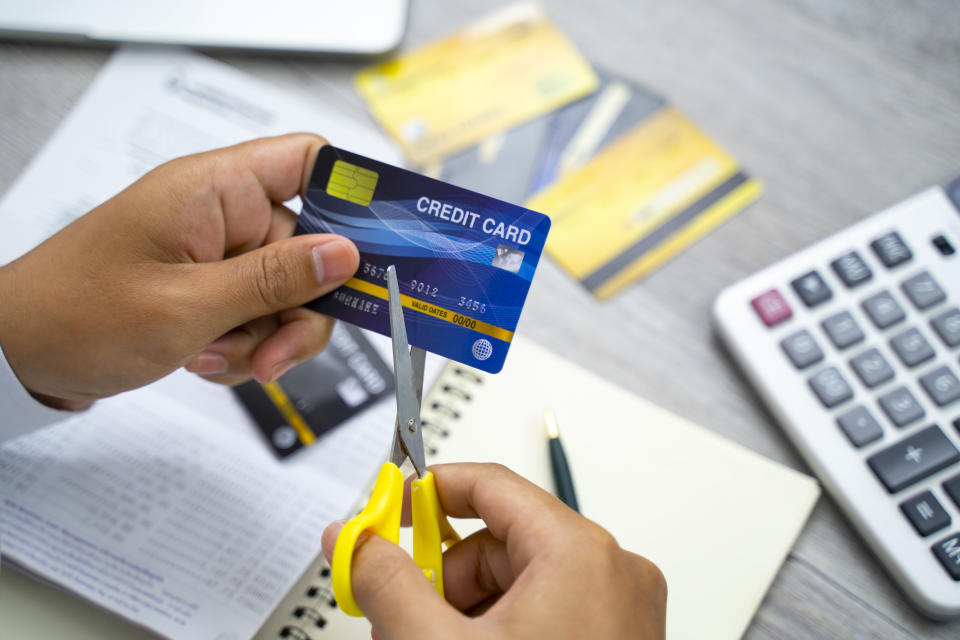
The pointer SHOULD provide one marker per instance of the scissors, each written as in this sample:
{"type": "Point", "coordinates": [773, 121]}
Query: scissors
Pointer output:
{"type": "Point", "coordinates": [431, 529]}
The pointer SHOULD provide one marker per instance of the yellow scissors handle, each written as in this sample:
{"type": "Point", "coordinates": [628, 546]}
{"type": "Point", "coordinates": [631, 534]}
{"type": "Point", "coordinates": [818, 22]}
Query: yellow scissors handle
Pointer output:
{"type": "Point", "coordinates": [431, 529]}
{"type": "Point", "coordinates": [381, 516]}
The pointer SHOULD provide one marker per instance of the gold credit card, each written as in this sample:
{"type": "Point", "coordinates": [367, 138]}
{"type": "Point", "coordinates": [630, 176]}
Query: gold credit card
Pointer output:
{"type": "Point", "coordinates": [446, 96]}
{"type": "Point", "coordinates": [642, 199]}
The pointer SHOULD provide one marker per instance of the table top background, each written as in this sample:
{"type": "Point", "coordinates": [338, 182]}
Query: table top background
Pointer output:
{"type": "Point", "coordinates": [839, 108]}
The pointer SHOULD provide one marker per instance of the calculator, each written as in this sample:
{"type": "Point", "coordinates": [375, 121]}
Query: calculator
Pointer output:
{"type": "Point", "coordinates": [853, 343]}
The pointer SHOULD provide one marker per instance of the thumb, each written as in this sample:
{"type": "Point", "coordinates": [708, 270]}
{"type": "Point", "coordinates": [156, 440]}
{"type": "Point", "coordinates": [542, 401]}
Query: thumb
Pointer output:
{"type": "Point", "coordinates": [278, 276]}
{"type": "Point", "coordinates": [393, 592]}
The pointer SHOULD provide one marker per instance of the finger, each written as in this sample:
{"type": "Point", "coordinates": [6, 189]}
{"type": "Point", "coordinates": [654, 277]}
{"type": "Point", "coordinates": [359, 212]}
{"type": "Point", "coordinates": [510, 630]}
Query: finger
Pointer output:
{"type": "Point", "coordinates": [228, 359]}
{"type": "Point", "coordinates": [269, 170]}
{"type": "Point", "coordinates": [278, 276]}
{"type": "Point", "coordinates": [329, 538]}
{"type": "Point", "coordinates": [279, 224]}
{"type": "Point", "coordinates": [392, 591]}
{"type": "Point", "coordinates": [282, 223]}
{"type": "Point", "coordinates": [302, 334]}
{"type": "Point", "coordinates": [516, 511]}
{"type": "Point", "coordinates": [476, 569]}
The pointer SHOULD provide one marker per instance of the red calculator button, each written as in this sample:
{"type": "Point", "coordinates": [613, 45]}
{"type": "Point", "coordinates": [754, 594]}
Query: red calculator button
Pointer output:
{"type": "Point", "coordinates": [771, 307]}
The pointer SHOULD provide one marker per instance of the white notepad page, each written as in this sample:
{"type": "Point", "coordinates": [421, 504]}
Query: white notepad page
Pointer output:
{"type": "Point", "coordinates": [717, 518]}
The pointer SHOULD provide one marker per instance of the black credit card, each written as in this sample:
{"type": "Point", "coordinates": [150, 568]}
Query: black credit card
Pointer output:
{"type": "Point", "coordinates": [316, 396]}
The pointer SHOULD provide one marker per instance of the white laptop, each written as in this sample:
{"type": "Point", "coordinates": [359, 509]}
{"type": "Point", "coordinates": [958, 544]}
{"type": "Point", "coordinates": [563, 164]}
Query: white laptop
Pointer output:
{"type": "Point", "coordinates": [361, 27]}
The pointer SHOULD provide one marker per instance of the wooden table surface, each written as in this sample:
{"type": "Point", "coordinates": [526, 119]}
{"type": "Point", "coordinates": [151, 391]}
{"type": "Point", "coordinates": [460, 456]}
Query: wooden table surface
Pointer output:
{"type": "Point", "coordinates": [839, 108]}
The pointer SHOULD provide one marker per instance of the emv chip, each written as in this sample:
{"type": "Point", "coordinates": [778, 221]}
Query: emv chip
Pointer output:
{"type": "Point", "coordinates": [352, 183]}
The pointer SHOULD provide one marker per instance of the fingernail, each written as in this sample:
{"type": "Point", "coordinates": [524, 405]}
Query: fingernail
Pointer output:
{"type": "Point", "coordinates": [281, 368]}
{"type": "Point", "coordinates": [329, 538]}
{"type": "Point", "coordinates": [207, 363]}
{"type": "Point", "coordinates": [334, 261]}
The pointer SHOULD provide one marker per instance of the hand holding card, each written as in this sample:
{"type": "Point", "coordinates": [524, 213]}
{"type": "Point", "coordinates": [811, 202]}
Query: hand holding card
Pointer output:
{"type": "Point", "coordinates": [465, 260]}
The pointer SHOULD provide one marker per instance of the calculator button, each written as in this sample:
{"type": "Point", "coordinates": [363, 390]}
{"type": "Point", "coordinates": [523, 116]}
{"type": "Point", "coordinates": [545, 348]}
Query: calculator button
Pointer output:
{"type": "Point", "coordinates": [851, 269]}
{"type": "Point", "coordinates": [891, 249]}
{"type": "Point", "coordinates": [771, 307]}
{"type": "Point", "coordinates": [812, 289]}
{"type": "Point", "coordinates": [923, 291]}
{"type": "Point", "coordinates": [802, 349]}
{"type": "Point", "coordinates": [947, 326]}
{"type": "Point", "coordinates": [941, 385]}
{"type": "Point", "coordinates": [872, 367]}
{"type": "Point", "coordinates": [912, 347]}
{"type": "Point", "coordinates": [830, 387]}
{"type": "Point", "coordinates": [900, 406]}
{"type": "Point", "coordinates": [842, 329]}
{"type": "Point", "coordinates": [925, 513]}
{"type": "Point", "coordinates": [913, 459]}
{"type": "Point", "coordinates": [943, 245]}
{"type": "Point", "coordinates": [860, 426]}
{"type": "Point", "coordinates": [952, 487]}
{"type": "Point", "coordinates": [883, 310]}
{"type": "Point", "coordinates": [948, 553]}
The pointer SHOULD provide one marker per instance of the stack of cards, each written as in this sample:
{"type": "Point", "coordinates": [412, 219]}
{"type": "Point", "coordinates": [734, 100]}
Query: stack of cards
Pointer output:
{"type": "Point", "coordinates": [627, 179]}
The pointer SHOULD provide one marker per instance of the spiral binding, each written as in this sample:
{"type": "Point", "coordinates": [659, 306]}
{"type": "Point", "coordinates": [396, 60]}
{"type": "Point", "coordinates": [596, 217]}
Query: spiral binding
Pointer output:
{"type": "Point", "coordinates": [443, 405]}
{"type": "Point", "coordinates": [446, 402]}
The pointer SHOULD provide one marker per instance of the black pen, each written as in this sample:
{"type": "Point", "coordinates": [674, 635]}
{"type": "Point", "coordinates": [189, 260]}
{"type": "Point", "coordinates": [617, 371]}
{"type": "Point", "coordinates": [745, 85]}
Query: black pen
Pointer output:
{"type": "Point", "coordinates": [558, 461]}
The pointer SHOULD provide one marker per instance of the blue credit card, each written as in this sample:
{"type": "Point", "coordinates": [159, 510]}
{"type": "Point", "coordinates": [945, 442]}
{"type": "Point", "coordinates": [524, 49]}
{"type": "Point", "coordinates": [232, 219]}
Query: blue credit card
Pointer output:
{"type": "Point", "coordinates": [464, 260]}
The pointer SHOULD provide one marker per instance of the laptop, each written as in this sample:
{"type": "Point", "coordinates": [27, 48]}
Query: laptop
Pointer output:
{"type": "Point", "coordinates": [353, 27]}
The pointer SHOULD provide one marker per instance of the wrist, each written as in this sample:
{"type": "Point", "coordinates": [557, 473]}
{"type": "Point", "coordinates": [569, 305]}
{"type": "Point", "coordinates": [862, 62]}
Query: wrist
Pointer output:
{"type": "Point", "coordinates": [12, 318]}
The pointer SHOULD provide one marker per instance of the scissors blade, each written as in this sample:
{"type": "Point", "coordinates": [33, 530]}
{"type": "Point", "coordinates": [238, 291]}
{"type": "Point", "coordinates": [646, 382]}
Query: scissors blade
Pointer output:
{"type": "Point", "coordinates": [408, 379]}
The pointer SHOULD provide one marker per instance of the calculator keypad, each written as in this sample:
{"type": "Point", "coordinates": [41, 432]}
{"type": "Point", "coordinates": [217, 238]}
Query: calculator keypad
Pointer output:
{"type": "Point", "coordinates": [860, 427]}
{"type": "Point", "coordinates": [872, 368]}
{"type": "Point", "coordinates": [861, 366]}
{"type": "Point", "coordinates": [883, 310]}
{"type": "Point", "coordinates": [948, 553]}
{"type": "Point", "coordinates": [911, 347]}
{"type": "Point", "coordinates": [901, 407]}
{"type": "Point", "coordinates": [851, 269]}
{"type": "Point", "coordinates": [830, 387]}
{"type": "Point", "coordinates": [891, 250]}
{"type": "Point", "coordinates": [923, 291]}
{"type": "Point", "coordinates": [947, 326]}
{"type": "Point", "coordinates": [771, 307]}
{"type": "Point", "coordinates": [842, 329]}
{"type": "Point", "coordinates": [802, 349]}
{"type": "Point", "coordinates": [942, 386]}
{"type": "Point", "coordinates": [925, 513]}
{"type": "Point", "coordinates": [812, 289]}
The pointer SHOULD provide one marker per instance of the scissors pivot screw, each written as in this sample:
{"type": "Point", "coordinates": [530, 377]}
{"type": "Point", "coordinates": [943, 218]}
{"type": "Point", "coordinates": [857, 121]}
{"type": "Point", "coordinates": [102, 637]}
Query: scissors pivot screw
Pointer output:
{"type": "Point", "coordinates": [411, 425]}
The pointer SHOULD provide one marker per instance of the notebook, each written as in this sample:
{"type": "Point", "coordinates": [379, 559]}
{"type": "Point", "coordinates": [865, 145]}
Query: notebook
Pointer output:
{"type": "Point", "coordinates": [717, 518]}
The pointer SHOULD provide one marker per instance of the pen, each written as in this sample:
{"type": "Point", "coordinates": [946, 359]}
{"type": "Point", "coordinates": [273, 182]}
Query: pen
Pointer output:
{"type": "Point", "coordinates": [558, 462]}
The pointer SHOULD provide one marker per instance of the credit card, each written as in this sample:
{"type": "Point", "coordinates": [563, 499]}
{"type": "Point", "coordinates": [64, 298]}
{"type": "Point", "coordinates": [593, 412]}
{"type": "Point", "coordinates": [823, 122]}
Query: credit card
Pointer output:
{"type": "Point", "coordinates": [579, 130]}
{"type": "Point", "coordinates": [316, 396]}
{"type": "Point", "coordinates": [500, 166]}
{"type": "Point", "coordinates": [448, 95]}
{"type": "Point", "coordinates": [464, 260]}
{"type": "Point", "coordinates": [628, 191]}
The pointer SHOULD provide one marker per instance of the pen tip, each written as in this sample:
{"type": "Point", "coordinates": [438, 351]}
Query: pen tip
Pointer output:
{"type": "Point", "coordinates": [550, 420]}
